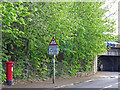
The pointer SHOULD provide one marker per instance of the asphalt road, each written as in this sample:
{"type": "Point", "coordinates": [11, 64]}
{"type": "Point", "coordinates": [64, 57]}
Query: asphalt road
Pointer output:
{"type": "Point", "coordinates": [102, 81]}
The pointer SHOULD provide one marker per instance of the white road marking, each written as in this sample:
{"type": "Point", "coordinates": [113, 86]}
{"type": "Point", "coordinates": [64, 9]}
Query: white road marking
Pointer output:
{"type": "Point", "coordinates": [108, 86]}
{"type": "Point", "coordinates": [117, 83]}
{"type": "Point", "coordinates": [89, 80]}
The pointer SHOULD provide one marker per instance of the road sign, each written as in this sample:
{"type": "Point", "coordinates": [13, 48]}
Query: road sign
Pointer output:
{"type": "Point", "coordinates": [53, 50]}
{"type": "Point", "coordinates": [53, 42]}
{"type": "Point", "coordinates": [53, 47]}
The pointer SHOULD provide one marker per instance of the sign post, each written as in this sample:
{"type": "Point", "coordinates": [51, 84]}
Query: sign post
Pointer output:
{"type": "Point", "coordinates": [54, 69]}
{"type": "Point", "coordinates": [53, 50]}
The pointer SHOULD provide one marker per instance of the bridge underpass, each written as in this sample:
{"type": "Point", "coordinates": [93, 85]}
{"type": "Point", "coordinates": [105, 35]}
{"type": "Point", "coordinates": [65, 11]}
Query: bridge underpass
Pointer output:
{"type": "Point", "coordinates": [109, 61]}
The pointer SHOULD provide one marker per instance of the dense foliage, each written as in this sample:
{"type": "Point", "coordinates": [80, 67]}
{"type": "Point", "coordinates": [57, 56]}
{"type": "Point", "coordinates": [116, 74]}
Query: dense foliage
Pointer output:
{"type": "Point", "coordinates": [27, 29]}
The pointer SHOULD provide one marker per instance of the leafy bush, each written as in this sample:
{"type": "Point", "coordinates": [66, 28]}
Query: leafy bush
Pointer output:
{"type": "Point", "coordinates": [27, 29]}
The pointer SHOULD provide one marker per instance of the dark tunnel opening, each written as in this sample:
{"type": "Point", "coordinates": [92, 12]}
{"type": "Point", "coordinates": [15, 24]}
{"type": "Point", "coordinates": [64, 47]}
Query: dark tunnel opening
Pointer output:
{"type": "Point", "coordinates": [108, 63]}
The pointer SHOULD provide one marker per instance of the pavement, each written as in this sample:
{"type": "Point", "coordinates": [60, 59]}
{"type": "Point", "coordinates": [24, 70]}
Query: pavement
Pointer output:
{"type": "Point", "coordinates": [59, 83]}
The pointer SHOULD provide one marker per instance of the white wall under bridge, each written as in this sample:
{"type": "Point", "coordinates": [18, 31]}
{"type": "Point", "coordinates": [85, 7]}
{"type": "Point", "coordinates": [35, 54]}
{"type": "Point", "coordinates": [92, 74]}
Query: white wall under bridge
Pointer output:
{"type": "Point", "coordinates": [114, 51]}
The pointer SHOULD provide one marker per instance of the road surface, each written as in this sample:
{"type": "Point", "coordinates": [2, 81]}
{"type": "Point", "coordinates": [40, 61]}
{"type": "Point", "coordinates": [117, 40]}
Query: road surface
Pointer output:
{"type": "Point", "coordinates": [102, 81]}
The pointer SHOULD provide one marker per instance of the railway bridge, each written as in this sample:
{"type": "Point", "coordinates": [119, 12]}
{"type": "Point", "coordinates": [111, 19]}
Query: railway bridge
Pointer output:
{"type": "Point", "coordinates": [109, 61]}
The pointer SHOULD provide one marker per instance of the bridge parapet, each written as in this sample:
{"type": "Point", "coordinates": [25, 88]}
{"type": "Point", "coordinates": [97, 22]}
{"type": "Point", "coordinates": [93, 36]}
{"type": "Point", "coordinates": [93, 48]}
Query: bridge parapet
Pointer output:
{"type": "Point", "coordinates": [115, 49]}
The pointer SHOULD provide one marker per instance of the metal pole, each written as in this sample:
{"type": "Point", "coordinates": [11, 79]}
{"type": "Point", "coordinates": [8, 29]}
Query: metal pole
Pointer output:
{"type": "Point", "coordinates": [54, 69]}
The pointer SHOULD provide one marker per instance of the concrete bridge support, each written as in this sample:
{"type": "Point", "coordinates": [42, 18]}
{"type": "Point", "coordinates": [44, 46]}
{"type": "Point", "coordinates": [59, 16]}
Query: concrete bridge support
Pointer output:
{"type": "Point", "coordinates": [95, 64]}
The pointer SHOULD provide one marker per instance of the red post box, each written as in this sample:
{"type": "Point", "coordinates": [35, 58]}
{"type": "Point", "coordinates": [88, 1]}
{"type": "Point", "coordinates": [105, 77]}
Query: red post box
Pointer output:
{"type": "Point", "coordinates": [9, 72]}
